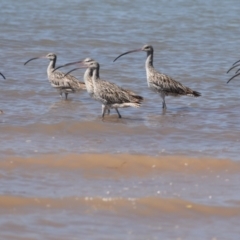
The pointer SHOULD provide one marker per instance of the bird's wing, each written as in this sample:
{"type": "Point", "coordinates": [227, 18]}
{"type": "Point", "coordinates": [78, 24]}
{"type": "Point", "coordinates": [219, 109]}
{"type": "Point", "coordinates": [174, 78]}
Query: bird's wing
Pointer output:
{"type": "Point", "coordinates": [74, 82]}
{"type": "Point", "coordinates": [111, 93]}
{"type": "Point", "coordinates": [61, 81]}
{"type": "Point", "coordinates": [162, 82]}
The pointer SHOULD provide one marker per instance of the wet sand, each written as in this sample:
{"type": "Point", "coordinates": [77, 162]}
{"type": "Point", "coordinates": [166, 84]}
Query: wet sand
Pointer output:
{"type": "Point", "coordinates": [116, 188]}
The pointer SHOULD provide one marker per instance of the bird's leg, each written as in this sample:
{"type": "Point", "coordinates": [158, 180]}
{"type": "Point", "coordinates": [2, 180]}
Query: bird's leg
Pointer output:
{"type": "Point", "coordinates": [104, 108]}
{"type": "Point", "coordinates": [164, 106]}
{"type": "Point", "coordinates": [60, 93]}
{"type": "Point", "coordinates": [108, 109]}
{"type": "Point", "coordinates": [66, 95]}
{"type": "Point", "coordinates": [119, 115]}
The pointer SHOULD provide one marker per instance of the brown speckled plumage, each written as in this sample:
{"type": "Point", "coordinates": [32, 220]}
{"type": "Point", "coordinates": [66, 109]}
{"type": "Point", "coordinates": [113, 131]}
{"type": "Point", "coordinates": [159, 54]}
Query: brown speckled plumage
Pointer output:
{"type": "Point", "coordinates": [63, 83]}
{"type": "Point", "coordinates": [161, 83]}
{"type": "Point", "coordinates": [111, 95]}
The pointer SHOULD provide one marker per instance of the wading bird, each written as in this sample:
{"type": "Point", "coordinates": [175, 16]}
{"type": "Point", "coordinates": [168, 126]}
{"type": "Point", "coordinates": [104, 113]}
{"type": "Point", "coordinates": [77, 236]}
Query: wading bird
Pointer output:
{"type": "Point", "coordinates": [109, 94]}
{"type": "Point", "coordinates": [237, 73]}
{"type": "Point", "coordinates": [161, 83]}
{"type": "Point", "coordinates": [87, 76]}
{"type": "Point", "coordinates": [63, 83]}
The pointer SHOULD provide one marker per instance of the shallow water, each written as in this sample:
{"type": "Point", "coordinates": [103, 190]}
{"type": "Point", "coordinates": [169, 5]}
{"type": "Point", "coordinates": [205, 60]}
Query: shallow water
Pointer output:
{"type": "Point", "coordinates": [66, 174]}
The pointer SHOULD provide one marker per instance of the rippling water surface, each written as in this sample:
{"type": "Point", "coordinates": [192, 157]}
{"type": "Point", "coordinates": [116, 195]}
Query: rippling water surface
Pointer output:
{"type": "Point", "coordinates": [66, 174]}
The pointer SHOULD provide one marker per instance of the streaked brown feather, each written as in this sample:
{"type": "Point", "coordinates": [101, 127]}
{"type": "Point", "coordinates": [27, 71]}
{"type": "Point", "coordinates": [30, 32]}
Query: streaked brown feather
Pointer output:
{"type": "Point", "coordinates": [163, 83]}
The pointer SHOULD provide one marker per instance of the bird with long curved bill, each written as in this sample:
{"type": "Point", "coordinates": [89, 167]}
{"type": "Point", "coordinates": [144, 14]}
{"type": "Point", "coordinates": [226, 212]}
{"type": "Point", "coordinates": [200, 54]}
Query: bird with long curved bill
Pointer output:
{"type": "Point", "coordinates": [159, 82]}
{"type": "Point", "coordinates": [237, 73]}
{"type": "Point", "coordinates": [109, 94]}
{"type": "Point", "coordinates": [63, 83]}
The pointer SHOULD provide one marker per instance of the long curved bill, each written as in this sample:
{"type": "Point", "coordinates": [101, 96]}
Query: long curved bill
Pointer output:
{"type": "Point", "coordinates": [236, 62]}
{"type": "Point", "coordinates": [237, 71]}
{"type": "Point", "coordinates": [237, 65]}
{"type": "Point", "coordinates": [2, 75]}
{"type": "Point", "coordinates": [73, 70]}
{"type": "Point", "coordinates": [233, 77]}
{"type": "Point", "coordinates": [33, 59]}
{"type": "Point", "coordinates": [68, 64]}
{"type": "Point", "coordinates": [136, 50]}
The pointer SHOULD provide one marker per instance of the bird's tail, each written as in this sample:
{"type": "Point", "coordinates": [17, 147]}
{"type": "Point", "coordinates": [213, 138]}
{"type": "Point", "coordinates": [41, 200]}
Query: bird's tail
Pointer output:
{"type": "Point", "coordinates": [134, 98]}
{"type": "Point", "coordinates": [192, 93]}
{"type": "Point", "coordinates": [196, 94]}
{"type": "Point", "coordinates": [138, 98]}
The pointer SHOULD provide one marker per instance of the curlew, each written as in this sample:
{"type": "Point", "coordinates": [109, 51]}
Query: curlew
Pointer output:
{"type": "Point", "coordinates": [61, 82]}
{"type": "Point", "coordinates": [87, 77]}
{"type": "Point", "coordinates": [237, 73]}
{"type": "Point", "coordinates": [159, 82]}
{"type": "Point", "coordinates": [109, 94]}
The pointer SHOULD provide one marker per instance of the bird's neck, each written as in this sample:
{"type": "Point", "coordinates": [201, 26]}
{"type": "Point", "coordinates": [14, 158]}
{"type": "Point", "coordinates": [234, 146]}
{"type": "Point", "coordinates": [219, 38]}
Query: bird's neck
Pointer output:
{"type": "Point", "coordinates": [87, 75]}
{"type": "Point", "coordinates": [149, 60]}
{"type": "Point", "coordinates": [51, 66]}
{"type": "Point", "coordinates": [95, 77]}
{"type": "Point", "coordinates": [149, 66]}
{"type": "Point", "coordinates": [96, 73]}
